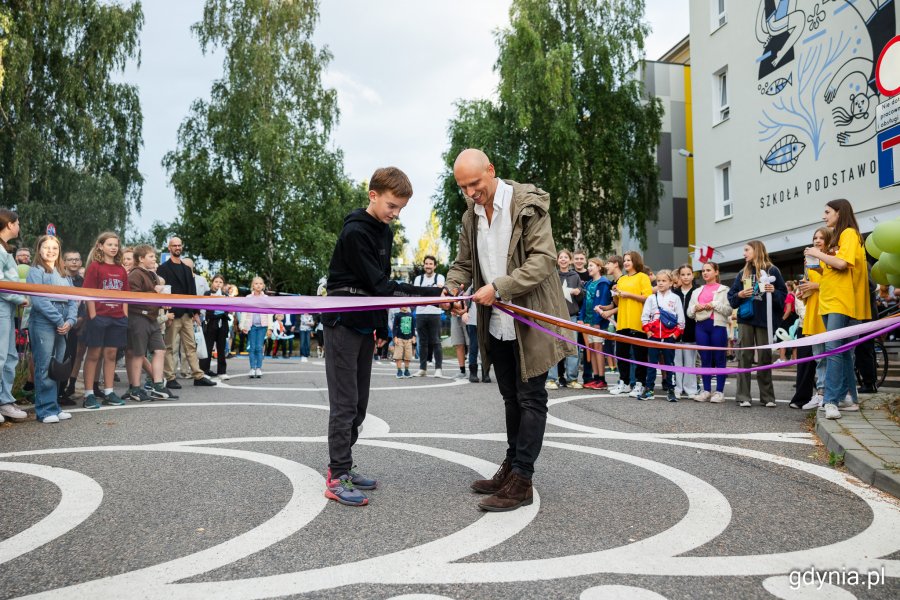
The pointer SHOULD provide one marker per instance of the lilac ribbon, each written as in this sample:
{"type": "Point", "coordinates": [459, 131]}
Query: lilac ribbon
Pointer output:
{"type": "Point", "coordinates": [712, 370]}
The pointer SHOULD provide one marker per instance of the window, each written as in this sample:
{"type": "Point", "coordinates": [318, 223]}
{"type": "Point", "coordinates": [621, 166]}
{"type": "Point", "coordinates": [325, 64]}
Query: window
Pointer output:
{"type": "Point", "coordinates": [718, 16]}
{"type": "Point", "coordinates": [724, 206]}
{"type": "Point", "coordinates": [722, 111]}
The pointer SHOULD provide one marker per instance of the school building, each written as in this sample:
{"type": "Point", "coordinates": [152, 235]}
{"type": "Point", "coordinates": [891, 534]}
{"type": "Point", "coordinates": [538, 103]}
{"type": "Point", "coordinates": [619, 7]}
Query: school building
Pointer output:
{"type": "Point", "coordinates": [776, 116]}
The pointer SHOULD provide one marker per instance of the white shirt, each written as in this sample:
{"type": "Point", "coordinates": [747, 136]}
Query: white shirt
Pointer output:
{"type": "Point", "coordinates": [493, 246]}
{"type": "Point", "coordinates": [435, 280]}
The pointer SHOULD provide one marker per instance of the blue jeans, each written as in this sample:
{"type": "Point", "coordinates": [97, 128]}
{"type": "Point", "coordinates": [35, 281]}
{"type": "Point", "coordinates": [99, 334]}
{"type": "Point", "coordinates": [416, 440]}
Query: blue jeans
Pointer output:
{"type": "Point", "coordinates": [820, 366]}
{"type": "Point", "coordinates": [9, 358]}
{"type": "Point", "coordinates": [304, 343]}
{"type": "Point", "coordinates": [668, 359]}
{"type": "Point", "coordinates": [255, 340]}
{"type": "Point", "coordinates": [839, 376]}
{"type": "Point", "coordinates": [571, 364]}
{"type": "Point", "coordinates": [45, 344]}
{"type": "Point", "coordinates": [473, 344]}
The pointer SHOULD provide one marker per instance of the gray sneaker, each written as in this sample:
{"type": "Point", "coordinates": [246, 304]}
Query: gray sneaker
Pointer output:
{"type": "Point", "coordinates": [13, 412]}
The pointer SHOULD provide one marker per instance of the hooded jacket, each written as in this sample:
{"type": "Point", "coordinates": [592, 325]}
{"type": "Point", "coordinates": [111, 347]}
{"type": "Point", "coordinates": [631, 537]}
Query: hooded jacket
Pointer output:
{"type": "Point", "coordinates": [531, 280]}
{"type": "Point", "coordinates": [362, 262]}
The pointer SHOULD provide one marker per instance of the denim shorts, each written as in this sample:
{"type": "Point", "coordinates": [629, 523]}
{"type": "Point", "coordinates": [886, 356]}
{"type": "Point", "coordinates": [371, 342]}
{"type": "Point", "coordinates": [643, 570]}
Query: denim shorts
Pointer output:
{"type": "Point", "coordinates": [106, 332]}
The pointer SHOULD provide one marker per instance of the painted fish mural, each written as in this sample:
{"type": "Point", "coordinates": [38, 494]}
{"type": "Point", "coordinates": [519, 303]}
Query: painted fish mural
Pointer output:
{"type": "Point", "coordinates": [774, 88]}
{"type": "Point", "coordinates": [783, 155]}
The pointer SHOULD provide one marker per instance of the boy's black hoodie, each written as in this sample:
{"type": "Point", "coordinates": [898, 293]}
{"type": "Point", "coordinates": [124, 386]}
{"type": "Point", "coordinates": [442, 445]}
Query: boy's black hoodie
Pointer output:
{"type": "Point", "coordinates": [362, 260]}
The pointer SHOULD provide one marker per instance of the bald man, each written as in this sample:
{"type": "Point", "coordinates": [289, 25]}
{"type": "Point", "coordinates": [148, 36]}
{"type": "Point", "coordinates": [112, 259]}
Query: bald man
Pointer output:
{"type": "Point", "coordinates": [506, 251]}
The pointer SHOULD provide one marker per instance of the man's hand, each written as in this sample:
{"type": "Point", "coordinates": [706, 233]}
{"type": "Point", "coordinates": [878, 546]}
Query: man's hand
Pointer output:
{"type": "Point", "coordinates": [486, 295]}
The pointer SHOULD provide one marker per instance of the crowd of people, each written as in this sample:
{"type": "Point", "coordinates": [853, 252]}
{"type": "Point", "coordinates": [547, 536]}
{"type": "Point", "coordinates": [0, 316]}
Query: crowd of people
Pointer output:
{"type": "Point", "coordinates": [71, 340]}
{"type": "Point", "coordinates": [64, 342]}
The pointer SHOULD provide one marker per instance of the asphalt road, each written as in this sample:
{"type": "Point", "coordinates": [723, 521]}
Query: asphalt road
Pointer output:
{"type": "Point", "coordinates": [219, 495]}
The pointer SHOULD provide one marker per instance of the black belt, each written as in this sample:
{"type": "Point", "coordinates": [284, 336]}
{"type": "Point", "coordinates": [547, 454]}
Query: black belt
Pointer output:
{"type": "Point", "coordinates": [353, 291]}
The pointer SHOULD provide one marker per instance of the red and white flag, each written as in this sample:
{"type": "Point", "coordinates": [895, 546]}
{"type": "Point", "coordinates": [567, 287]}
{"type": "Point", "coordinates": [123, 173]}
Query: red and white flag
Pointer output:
{"type": "Point", "coordinates": [701, 255]}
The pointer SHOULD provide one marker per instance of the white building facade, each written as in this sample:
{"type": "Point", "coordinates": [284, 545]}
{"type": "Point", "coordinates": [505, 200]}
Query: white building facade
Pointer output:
{"type": "Point", "coordinates": [784, 103]}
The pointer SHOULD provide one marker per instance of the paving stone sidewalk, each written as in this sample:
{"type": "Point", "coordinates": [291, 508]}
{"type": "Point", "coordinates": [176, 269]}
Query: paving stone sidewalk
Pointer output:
{"type": "Point", "coordinates": [868, 440]}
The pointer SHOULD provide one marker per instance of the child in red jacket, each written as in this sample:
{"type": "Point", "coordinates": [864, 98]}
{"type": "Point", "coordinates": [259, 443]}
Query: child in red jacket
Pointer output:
{"type": "Point", "coordinates": [663, 320]}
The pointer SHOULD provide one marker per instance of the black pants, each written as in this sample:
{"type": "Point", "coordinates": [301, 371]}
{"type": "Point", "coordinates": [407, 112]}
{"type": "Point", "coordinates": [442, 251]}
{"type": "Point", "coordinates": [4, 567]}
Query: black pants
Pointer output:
{"type": "Point", "coordinates": [806, 377]}
{"type": "Point", "coordinates": [865, 363]}
{"type": "Point", "coordinates": [628, 372]}
{"type": "Point", "coordinates": [428, 334]}
{"type": "Point", "coordinates": [526, 406]}
{"type": "Point", "coordinates": [215, 334]}
{"type": "Point", "coordinates": [348, 372]}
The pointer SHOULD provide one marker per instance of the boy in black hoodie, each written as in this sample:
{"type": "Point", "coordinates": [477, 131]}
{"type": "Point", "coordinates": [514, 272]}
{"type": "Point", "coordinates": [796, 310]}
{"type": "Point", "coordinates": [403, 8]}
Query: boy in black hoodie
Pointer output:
{"type": "Point", "coordinates": [360, 266]}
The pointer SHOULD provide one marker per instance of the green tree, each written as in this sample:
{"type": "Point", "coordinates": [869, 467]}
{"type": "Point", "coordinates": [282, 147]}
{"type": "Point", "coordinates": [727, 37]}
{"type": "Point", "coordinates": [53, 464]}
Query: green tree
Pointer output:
{"type": "Point", "coordinates": [69, 136]}
{"type": "Point", "coordinates": [259, 188]}
{"type": "Point", "coordinates": [571, 118]}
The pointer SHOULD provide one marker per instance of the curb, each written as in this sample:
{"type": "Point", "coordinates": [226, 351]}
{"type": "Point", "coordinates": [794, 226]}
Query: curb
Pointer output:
{"type": "Point", "coordinates": [859, 461]}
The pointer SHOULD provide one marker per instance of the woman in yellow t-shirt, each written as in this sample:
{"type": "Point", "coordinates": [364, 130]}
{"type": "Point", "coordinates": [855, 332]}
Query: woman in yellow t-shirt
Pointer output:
{"type": "Point", "coordinates": [811, 375]}
{"type": "Point", "coordinates": [631, 290]}
{"type": "Point", "coordinates": [843, 301]}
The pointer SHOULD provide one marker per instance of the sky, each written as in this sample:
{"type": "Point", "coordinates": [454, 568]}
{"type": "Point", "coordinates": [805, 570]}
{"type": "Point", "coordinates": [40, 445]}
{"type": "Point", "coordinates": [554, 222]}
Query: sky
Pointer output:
{"type": "Point", "coordinates": [398, 66]}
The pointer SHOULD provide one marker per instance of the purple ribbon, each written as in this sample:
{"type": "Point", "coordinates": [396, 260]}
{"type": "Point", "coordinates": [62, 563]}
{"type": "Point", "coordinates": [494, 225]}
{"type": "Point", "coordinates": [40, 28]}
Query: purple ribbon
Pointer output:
{"type": "Point", "coordinates": [711, 370]}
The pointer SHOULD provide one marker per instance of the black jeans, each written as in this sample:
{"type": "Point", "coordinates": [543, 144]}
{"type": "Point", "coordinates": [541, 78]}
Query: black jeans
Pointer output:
{"type": "Point", "coordinates": [348, 372]}
{"type": "Point", "coordinates": [526, 406]}
{"type": "Point", "coordinates": [428, 334]}
{"type": "Point", "coordinates": [806, 377]}
{"type": "Point", "coordinates": [215, 333]}
{"type": "Point", "coordinates": [865, 363]}
{"type": "Point", "coordinates": [628, 372]}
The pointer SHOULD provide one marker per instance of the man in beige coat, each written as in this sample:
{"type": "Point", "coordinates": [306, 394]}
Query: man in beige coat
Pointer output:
{"type": "Point", "coordinates": [506, 251]}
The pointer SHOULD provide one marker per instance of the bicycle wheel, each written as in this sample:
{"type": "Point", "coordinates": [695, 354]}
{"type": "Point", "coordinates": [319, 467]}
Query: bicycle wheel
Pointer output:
{"type": "Point", "coordinates": [881, 363]}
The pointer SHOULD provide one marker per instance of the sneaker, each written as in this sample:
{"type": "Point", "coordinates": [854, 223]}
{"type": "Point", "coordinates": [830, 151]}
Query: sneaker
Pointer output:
{"type": "Point", "coordinates": [66, 401]}
{"type": "Point", "coordinates": [399, 373]}
{"type": "Point", "coordinates": [148, 384]}
{"type": "Point", "coordinates": [848, 404]}
{"type": "Point", "coordinates": [832, 411]}
{"type": "Point", "coordinates": [575, 385]}
{"type": "Point", "coordinates": [139, 395]}
{"type": "Point", "coordinates": [485, 378]}
{"type": "Point", "coordinates": [598, 384]}
{"type": "Point", "coordinates": [647, 395]}
{"type": "Point", "coordinates": [406, 374]}
{"type": "Point", "coordinates": [205, 382]}
{"type": "Point", "coordinates": [814, 402]}
{"type": "Point", "coordinates": [702, 397]}
{"type": "Point", "coordinates": [362, 482]}
{"type": "Point", "coordinates": [590, 385]}
{"type": "Point", "coordinates": [461, 375]}
{"type": "Point", "coordinates": [304, 359]}
{"type": "Point", "coordinates": [252, 374]}
{"type": "Point", "coordinates": [343, 491]}
{"type": "Point", "coordinates": [551, 385]}
{"type": "Point", "coordinates": [671, 397]}
{"type": "Point", "coordinates": [745, 404]}
{"type": "Point", "coordinates": [173, 384]}
{"type": "Point", "coordinates": [159, 392]}
{"type": "Point", "coordinates": [473, 377]}
{"type": "Point", "coordinates": [13, 412]}
{"type": "Point", "coordinates": [421, 373]}
{"type": "Point", "coordinates": [620, 389]}
{"type": "Point", "coordinates": [771, 405]}
{"type": "Point", "coordinates": [610, 370]}
{"type": "Point", "coordinates": [90, 401]}
{"type": "Point", "coordinates": [51, 419]}
{"type": "Point", "coordinates": [638, 390]}
{"type": "Point", "coordinates": [64, 416]}
{"type": "Point", "coordinates": [259, 373]}
{"type": "Point", "coordinates": [438, 373]}
{"type": "Point", "coordinates": [717, 398]}
{"type": "Point", "coordinates": [112, 399]}
{"type": "Point", "coordinates": [127, 395]}
{"type": "Point", "coordinates": [223, 377]}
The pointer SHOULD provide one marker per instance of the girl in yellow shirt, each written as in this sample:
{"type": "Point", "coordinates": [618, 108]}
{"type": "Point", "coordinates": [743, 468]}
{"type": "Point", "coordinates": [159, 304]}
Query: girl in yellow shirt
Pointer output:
{"type": "Point", "coordinates": [843, 301]}
{"type": "Point", "coordinates": [631, 290]}
{"type": "Point", "coordinates": [811, 376]}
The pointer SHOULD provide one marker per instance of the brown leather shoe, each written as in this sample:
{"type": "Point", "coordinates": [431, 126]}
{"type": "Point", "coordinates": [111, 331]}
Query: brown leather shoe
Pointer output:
{"type": "Point", "coordinates": [515, 492]}
{"type": "Point", "coordinates": [493, 485]}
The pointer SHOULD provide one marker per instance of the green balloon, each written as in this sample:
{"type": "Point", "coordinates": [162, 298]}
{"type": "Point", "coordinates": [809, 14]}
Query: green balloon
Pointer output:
{"type": "Point", "coordinates": [887, 236]}
{"type": "Point", "coordinates": [890, 263]}
{"type": "Point", "coordinates": [873, 250]}
{"type": "Point", "coordinates": [878, 274]}
{"type": "Point", "coordinates": [894, 280]}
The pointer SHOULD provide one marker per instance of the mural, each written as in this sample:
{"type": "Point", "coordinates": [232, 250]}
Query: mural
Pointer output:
{"type": "Point", "coordinates": [817, 67]}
